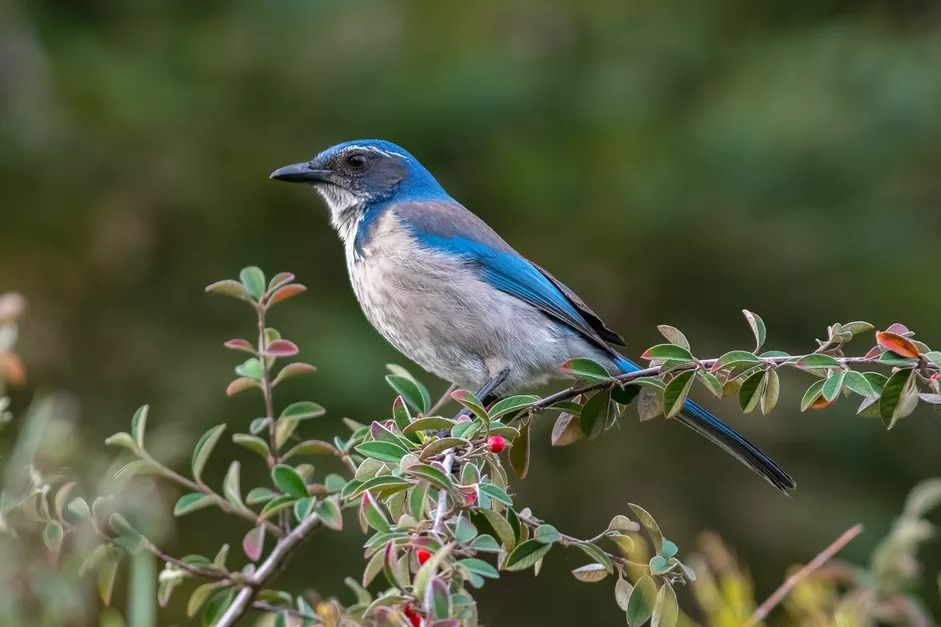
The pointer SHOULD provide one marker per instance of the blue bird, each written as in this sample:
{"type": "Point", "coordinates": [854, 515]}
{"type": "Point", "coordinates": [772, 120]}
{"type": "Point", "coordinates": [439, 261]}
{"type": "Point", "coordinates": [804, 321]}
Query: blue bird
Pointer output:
{"type": "Point", "coordinates": [447, 291]}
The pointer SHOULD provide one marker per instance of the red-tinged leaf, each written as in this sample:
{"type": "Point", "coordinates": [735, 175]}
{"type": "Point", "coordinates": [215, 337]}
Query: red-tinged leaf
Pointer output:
{"type": "Point", "coordinates": [899, 329]}
{"type": "Point", "coordinates": [874, 352]}
{"type": "Point", "coordinates": [897, 344]}
{"type": "Point", "coordinates": [280, 279]}
{"type": "Point", "coordinates": [282, 348]}
{"type": "Point", "coordinates": [240, 345]}
{"type": "Point", "coordinates": [292, 370]}
{"type": "Point", "coordinates": [286, 292]}
{"type": "Point", "coordinates": [821, 402]}
{"type": "Point", "coordinates": [240, 385]}
{"type": "Point", "coordinates": [229, 287]}
{"type": "Point", "coordinates": [12, 367]}
{"type": "Point", "coordinates": [520, 451]}
{"type": "Point", "coordinates": [254, 542]}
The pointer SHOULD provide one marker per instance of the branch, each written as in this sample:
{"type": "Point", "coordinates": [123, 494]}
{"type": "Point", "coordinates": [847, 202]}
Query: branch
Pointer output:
{"type": "Point", "coordinates": [443, 496]}
{"type": "Point", "coordinates": [567, 540]}
{"type": "Point", "coordinates": [575, 390]}
{"type": "Point", "coordinates": [273, 563]}
{"type": "Point", "coordinates": [779, 595]}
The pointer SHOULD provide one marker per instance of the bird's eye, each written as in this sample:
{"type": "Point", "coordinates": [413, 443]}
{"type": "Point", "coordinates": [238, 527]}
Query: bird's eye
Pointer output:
{"type": "Point", "coordinates": [356, 161]}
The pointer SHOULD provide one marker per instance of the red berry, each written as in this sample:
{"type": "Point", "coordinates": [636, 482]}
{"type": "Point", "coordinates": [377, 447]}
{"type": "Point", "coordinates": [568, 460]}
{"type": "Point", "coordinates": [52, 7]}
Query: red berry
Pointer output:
{"type": "Point", "coordinates": [413, 616]}
{"type": "Point", "coordinates": [422, 555]}
{"type": "Point", "coordinates": [470, 498]}
{"type": "Point", "coordinates": [496, 444]}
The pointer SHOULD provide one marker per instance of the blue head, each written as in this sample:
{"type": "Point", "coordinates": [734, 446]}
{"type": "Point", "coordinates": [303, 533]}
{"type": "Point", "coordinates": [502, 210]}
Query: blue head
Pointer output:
{"type": "Point", "coordinates": [359, 176]}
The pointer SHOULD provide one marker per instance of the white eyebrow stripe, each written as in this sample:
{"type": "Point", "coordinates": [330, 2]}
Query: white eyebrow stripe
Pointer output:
{"type": "Point", "coordinates": [387, 153]}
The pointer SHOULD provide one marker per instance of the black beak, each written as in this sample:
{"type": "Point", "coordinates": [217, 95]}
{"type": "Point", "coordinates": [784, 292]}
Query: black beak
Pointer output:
{"type": "Point", "coordinates": [301, 173]}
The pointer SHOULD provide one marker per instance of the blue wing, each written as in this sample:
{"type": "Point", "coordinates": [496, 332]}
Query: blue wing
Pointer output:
{"type": "Point", "coordinates": [449, 227]}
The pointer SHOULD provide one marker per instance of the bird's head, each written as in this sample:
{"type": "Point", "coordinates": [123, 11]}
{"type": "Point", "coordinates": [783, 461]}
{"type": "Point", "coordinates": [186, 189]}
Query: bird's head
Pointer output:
{"type": "Point", "coordinates": [355, 175]}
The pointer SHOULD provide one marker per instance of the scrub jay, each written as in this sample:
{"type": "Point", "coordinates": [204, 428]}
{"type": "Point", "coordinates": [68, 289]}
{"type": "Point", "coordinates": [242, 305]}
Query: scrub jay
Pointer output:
{"type": "Point", "coordinates": [447, 291]}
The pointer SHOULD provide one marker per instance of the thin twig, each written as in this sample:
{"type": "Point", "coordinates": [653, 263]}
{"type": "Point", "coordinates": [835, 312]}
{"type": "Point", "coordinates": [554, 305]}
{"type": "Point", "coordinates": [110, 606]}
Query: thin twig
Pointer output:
{"type": "Point", "coordinates": [284, 521]}
{"type": "Point", "coordinates": [220, 502]}
{"type": "Point", "coordinates": [823, 557]}
{"type": "Point", "coordinates": [567, 540]}
{"type": "Point", "coordinates": [443, 496]}
{"type": "Point", "coordinates": [441, 401]}
{"type": "Point", "coordinates": [278, 557]}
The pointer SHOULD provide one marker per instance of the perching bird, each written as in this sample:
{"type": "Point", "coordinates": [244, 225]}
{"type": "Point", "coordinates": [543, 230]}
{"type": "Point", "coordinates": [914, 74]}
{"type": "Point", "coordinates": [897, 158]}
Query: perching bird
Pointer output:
{"type": "Point", "coordinates": [451, 295]}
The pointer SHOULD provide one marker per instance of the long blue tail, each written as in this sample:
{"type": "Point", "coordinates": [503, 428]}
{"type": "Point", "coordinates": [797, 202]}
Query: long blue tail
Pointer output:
{"type": "Point", "coordinates": [716, 431]}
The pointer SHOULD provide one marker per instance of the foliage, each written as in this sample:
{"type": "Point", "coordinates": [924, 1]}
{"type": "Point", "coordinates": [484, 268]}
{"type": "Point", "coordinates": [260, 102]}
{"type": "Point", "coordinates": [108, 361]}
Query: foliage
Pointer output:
{"type": "Point", "coordinates": [432, 493]}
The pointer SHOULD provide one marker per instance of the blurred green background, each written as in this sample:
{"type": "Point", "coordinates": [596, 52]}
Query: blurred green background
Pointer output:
{"type": "Point", "coordinates": [673, 162]}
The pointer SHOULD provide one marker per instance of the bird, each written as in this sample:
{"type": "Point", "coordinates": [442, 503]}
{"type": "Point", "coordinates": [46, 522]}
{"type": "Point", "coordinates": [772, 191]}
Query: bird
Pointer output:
{"type": "Point", "coordinates": [451, 295]}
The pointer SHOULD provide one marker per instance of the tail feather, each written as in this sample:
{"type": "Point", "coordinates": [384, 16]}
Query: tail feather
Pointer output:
{"type": "Point", "coordinates": [721, 434]}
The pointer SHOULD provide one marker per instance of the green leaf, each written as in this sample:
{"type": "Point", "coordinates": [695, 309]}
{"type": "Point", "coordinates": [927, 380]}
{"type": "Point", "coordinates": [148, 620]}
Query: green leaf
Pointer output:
{"type": "Point", "coordinates": [192, 502]}
{"type": "Point", "coordinates": [312, 447]}
{"type": "Point", "coordinates": [204, 449]}
{"type": "Point", "coordinates": [199, 597]}
{"type": "Point", "coordinates": [812, 394]}
{"type": "Point", "coordinates": [411, 391]}
{"type": "Point", "coordinates": [441, 445]}
{"type": "Point", "coordinates": [329, 513]}
{"type": "Point", "coordinates": [526, 555]}
{"type": "Point", "coordinates": [254, 281]}
{"type": "Point", "coordinates": [511, 404]}
{"type": "Point", "coordinates": [666, 611]}
{"type": "Point", "coordinates": [622, 592]}
{"type": "Point", "coordinates": [590, 573]}
{"type": "Point", "coordinates": [432, 475]}
{"type": "Point", "coordinates": [122, 439]}
{"type": "Point", "coordinates": [673, 335]}
{"type": "Point", "coordinates": [303, 507]}
{"type": "Point", "coordinates": [653, 530]}
{"type": "Point", "coordinates": [667, 351]}
{"type": "Point", "coordinates": [230, 487]}
{"type": "Point", "coordinates": [586, 370]}
{"type": "Point", "coordinates": [674, 395]}
{"type": "Point", "coordinates": [659, 565]}
{"type": "Point", "coordinates": [893, 404]}
{"type": "Point", "coordinates": [382, 451]}
{"type": "Point", "coordinates": [547, 534]}
{"type": "Point", "coordinates": [259, 495]}
{"type": "Point", "coordinates": [772, 390]}
{"type": "Point", "coordinates": [440, 597]}
{"type": "Point", "coordinates": [372, 513]}
{"type": "Point", "coordinates": [817, 360]}
{"type": "Point", "coordinates": [594, 415]}
{"type": "Point", "coordinates": [734, 359]}
{"type": "Point", "coordinates": [751, 391]}
{"type": "Point", "coordinates": [832, 386]}
{"type": "Point", "coordinates": [566, 430]}
{"type": "Point", "coordinates": [485, 543]}
{"type": "Point", "coordinates": [427, 424]}
{"type": "Point", "coordinates": [519, 452]}
{"type": "Point", "coordinates": [381, 484]}
{"type": "Point", "coordinates": [288, 481]}
{"type": "Point", "coordinates": [757, 327]}
{"type": "Point", "coordinates": [252, 443]}
{"type": "Point", "coordinates": [501, 527]}
{"type": "Point", "coordinates": [303, 410]}
{"type": "Point", "coordinates": [595, 553]}
{"type": "Point", "coordinates": [480, 567]}
{"type": "Point", "coordinates": [471, 402]}
{"type": "Point", "coordinates": [669, 549]}
{"type": "Point", "coordinates": [292, 370]}
{"type": "Point", "coordinates": [858, 383]}
{"type": "Point", "coordinates": [275, 505]}
{"type": "Point", "coordinates": [642, 601]}
{"type": "Point", "coordinates": [711, 382]}
{"type": "Point", "coordinates": [139, 425]}
{"type": "Point", "coordinates": [250, 369]}
{"type": "Point", "coordinates": [228, 287]}
{"type": "Point", "coordinates": [497, 494]}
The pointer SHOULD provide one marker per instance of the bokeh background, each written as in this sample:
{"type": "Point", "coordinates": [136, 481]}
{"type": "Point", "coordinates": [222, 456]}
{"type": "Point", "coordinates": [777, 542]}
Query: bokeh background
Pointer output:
{"type": "Point", "coordinates": [674, 162]}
